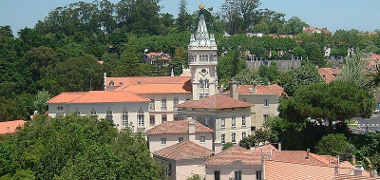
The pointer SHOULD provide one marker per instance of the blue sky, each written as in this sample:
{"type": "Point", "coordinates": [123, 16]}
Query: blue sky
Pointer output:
{"type": "Point", "coordinates": [333, 14]}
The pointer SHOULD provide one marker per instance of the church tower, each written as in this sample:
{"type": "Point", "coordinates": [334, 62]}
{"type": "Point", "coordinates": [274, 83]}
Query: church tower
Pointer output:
{"type": "Point", "coordinates": [203, 59]}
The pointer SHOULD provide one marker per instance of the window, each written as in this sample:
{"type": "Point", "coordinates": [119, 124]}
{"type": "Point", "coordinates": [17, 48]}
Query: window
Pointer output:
{"type": "Point", "coordinates": [163, 105]}
{"type": "Point", "coordinates": [206, 121]}
{"type": "Point", "coordinates": [266, 103]}
{"type": "Point", "coordinates": [217, 175]}
{"type": "Point", "coordinates": [93, 113]}
{"type": "Point", "coordinates": [164, 118]}
{"type": "Point", "coordinates": [223, 138]}
{"type": "Point", "coordinates": [203, 139]}
{"type": "Point", "coordinates": [253, 128]}
{"type": "Point", "coordinates": [175, 102]}
{"type": "Point", "coordinates": [60, 111]}
{"type": "Point", "coordinates": [233, 137]}
{"type": "Point", "coordinates": [243, 135]}
{"type": "Point", "coordinates": [245, 100]}
{"type": "Point", "coordinates": [140, 118]}
{"type": "Point", "coordinates": [258, 175]}
{"type": "Point", "coordinates": [163, 141]}
{"type": "Point", "coordinates": [169, 171]}
{"type": "Point", "coordinates": [152, 105]}
{"type": "Point", "coordinates": [180, 139]}
{"type": "Point", "coordinates": [266, 117]}
{"type": "Point", "coordinates": [125, 119]}
{"type": "Point", "coordinates": [243, 121]}
{"type": "Point", "coordinates": [152, 119]}
{"type": "Point", "coordinates": [222, 123]}
{"type": "Point", "coordinates": [206, 83]}
{"type": "Point", "coordinates": [237, 175]}
{"type": "Point", "coordinates": [233, 123]}
{"type": "Point", "coordinates": [109, 115]}
{"type": "Point", "coordinates": [201, 84]}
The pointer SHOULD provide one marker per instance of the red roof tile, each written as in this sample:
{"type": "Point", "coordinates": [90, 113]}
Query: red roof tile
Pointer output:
{"type": "Point", "coordinates": [10, 127]}
{"type": "Point", "coordinates": [218, 101]}
{"type": "Point", "coordinates": [235, 154]}
{"type": "Point", "coordinates": [276, 170]}
{"type": "Point", "coordinates": [157, 89]}
{"type": "Point", "coordinates": [184, 150]}
{"type": "Point", "coordinates": [96, 97]}
{"type": "Point", "coordinates": [328, 74]}
{"type": "Point", "coordinates": [178, 127]}
{"type": "Point", "coordinates": [352, 177]}
{"type": "Point", "coordinates": [128, 81]}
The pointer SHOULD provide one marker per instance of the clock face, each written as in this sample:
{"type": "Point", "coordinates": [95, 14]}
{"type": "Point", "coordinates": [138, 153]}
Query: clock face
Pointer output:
{"type": "Point", "coordinates": [203, 72]}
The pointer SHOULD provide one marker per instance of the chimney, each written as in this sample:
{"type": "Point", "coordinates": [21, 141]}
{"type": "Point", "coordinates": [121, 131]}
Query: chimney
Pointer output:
{"type": "Point", "coordinates": [234, 93]}
{"type": "Point", "coordinates": [279, 146]}
{"type": "Point", "coordinates": [105, 81]}
{"type": "Point", "coordinates": [308, 153]}
{"type": "Point", "coordinates": [263, 167]}
{"type": "Point", "coordinates": [191, 129]}
{"type": "Point", "coordinates": [358, 171]}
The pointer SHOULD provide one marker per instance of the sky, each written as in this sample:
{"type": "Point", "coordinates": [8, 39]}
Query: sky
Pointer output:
{"type": "Point", "coordinates": [363, 15]}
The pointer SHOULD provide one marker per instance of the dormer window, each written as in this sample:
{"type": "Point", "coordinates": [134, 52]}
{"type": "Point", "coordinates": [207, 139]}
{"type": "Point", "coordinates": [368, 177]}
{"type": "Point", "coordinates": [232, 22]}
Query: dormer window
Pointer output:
{"type": "Point", "coordinates": [112, 84]}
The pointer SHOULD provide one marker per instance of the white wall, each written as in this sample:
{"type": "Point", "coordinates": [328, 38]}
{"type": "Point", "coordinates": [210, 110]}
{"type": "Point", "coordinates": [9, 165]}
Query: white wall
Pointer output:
{"type": "Point", "coordinates": [101, 109]}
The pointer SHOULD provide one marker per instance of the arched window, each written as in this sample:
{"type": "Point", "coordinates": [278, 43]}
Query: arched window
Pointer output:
{"type": "Point", "coordinates": [140, 118]}
{"type": "Point", "coordinates": [201, 84]}
{"type": "Point", "coordinates": [206, 83]}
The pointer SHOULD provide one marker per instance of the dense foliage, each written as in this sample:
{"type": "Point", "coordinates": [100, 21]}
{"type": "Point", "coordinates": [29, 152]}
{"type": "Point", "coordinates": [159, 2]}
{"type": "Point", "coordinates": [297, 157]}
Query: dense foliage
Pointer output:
{"type": "Point", "coordinates": [62, 51]}
{"type": "Point", "coordinates": [76, 148]}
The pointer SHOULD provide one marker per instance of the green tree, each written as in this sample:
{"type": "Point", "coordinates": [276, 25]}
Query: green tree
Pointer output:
{"type": "Point", "coordinates": [271, 72]}
{"type": "Point", "coordinates": [327, 103]}
{"type": "Point", "coordinates": [302, 76]}
{"type": "Point", "coordinates": [184, 20]}
{"type": "Point", "coordinates": [353, 71]}
{"type": "Point", "coordinates": [77, 148]}
{"type": "Point", "coordinates": [334, 144]}
{"type": "Point", "coordinates": [246, 77]}
{"type": "Point", "coordinates": [296, 25]}
{"type": "Point", "coordinates": [227, 145]}
{"type": "Point", "coordinates": [195, 177]}
{"type": "Point", "coordinates": [230, 65]}
{"type": "Point", "coordinates": [40, 103]}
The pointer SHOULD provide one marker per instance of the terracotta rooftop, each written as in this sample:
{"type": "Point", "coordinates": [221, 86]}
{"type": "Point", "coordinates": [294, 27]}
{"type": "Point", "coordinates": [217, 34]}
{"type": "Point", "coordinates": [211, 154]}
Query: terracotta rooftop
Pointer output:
{"type": "Point", "coordinates": [273, 89]}
{"type": "Point", "coordinates": [96, 97]}
{"type": "Point", "coordinates": [178, 127]}
{"type": "Point", "coordinates": [235, 154]}
{"type": "Point", "coordinates": [10, 127]}
{"type": "Point", "coordinates": [157, 89]}
{"type": "Point", "coordinates": [128, 81]}
{"type": "Point", "coordinates": [184, 150]}
{"type": "Point", "coordinates": [275, 170]}
{"type": "Point", "coordinates": [352, 177]}
{"type": "Point", "coordinates": [328, 74]}
{"type": "Point", "coordinates": [218, 101]}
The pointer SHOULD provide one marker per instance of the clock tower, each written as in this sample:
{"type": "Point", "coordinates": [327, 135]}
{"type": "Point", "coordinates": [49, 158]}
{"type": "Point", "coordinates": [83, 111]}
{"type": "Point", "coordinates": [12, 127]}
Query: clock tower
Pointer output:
{"type": "Point", "coordinates": [203, 59]}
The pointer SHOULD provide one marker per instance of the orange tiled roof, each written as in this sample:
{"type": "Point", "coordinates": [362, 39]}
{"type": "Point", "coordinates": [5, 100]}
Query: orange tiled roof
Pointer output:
{"type": "Point", "coordinates": [328, 74]}
{"type": "Point", "coordinates": [10, 127]}
{"type": "Point", "coordinates": [218, 101]}
{"type": "Point", "coordinates": [235, 154]}
{"type": "Point", "coordinates": [96, 97]}
{"type": "Point", "coordinates": [178, 127]}
{"type": "Point", "coordinates": [157, 89]}
{"type": "Point", "coordinates": [273, 89]}
{"type": "Point", "coordinates": [275, 170]}
{"type": "Point", "coordinates": [184, 150]}
{"type": "Point", "coordinates": [128, 81]}
{"type": "Point", "coordinates": [265, 148]}
{"type": "Point", "coordinates": [352, 177]}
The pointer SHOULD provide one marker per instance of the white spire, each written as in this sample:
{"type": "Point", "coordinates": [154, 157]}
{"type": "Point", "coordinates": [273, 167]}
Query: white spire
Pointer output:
{"type": "Point", "coordinates": [202, 33]}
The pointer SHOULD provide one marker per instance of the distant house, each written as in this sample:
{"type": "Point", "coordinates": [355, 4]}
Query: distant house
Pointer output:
{"type": "Point", "coordinates": [366, 125]}
{"type": "Point", "coordinates": [312, 30]}
{"type": "Point", "coordinates": [173, 132]}
{"type": "Point", "coordinates": [157, 58]}
{"type": "Point", "coordinates": [373, 62]}
{"type": "Point", "coordinates": [329, 74]}
{"type": "Point", "coordinates": [264, 98]}
{"type": "Point", "coordinates": [10, 127]}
